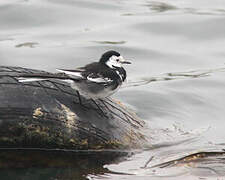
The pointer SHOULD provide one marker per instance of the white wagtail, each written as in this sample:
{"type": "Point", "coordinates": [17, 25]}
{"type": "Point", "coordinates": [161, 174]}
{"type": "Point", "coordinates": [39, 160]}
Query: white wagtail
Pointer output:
{"type": "Point", "coordinates": [93, 81]}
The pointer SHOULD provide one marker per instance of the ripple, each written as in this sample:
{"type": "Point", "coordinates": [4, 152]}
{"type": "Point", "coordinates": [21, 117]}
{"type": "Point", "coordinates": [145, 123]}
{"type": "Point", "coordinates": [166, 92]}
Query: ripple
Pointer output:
{"type": "Point", "coordinates": [27, 44]}
{"type": "Point", "coordinates": [212, 163]}
{"type": "Point", "coordinates": [194, 30]}
{"type": "Point", "coordinates": [164, 7]}
{"type": "Point", "coordinates": [174, 76]}
{"type": "Point", "coordinates": [109, 42]}
{"type": "Point", "coordinates": [160, 6]}
{"type": "Point", "coordinates": [6, 39]}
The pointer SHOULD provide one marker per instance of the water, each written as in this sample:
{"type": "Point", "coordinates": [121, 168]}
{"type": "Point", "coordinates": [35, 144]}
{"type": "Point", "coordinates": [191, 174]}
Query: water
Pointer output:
{"type": "Point", "coordinates": [184, 115]}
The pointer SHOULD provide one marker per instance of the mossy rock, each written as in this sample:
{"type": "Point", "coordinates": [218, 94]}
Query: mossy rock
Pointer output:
{"type": "Point", "coordinates": [48, 115]}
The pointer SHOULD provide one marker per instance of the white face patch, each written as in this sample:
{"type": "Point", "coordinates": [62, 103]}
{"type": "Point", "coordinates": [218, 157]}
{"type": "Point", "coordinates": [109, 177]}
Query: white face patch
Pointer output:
{"type": "Point", "coordinates": [114, 61]}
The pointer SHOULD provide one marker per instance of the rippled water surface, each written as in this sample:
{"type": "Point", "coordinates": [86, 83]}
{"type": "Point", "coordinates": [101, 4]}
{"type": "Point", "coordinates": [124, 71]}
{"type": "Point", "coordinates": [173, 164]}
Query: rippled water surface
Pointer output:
{"type": "Point", "coordinates": [179, 43]}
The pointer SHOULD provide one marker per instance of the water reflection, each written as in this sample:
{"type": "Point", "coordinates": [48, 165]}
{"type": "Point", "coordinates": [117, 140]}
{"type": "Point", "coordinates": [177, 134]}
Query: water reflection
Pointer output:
{"type": "Point", "coordinates": [55, 164]}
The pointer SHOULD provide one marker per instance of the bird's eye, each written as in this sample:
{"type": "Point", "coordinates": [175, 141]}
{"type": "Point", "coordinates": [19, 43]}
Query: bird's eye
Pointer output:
{"type": "Point", "coordinates": [117, 60]}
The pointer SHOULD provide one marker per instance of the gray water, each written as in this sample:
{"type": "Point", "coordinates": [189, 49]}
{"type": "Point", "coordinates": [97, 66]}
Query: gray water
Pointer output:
{"type": "Point", "coordinates": [184, 115]}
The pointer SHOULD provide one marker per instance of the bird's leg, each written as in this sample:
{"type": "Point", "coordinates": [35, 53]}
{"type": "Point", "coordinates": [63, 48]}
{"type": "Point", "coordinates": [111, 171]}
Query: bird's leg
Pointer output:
{"type": "Point", "coordinates": [80, 101]}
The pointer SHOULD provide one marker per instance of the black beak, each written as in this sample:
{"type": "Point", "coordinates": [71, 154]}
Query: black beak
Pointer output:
{"type": "Point", "coordinates": [126, 62]}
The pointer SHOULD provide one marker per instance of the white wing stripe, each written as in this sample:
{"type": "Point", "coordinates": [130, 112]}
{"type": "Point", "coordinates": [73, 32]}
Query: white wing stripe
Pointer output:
{"type": "Point", "coordinates": [117, 72]}
{"type": "Point", "coordinates": [23, 80]}
{"type": "Point", "coordinates": [78, 74]}
{"type": "Point", "coordinates": [99, 80]}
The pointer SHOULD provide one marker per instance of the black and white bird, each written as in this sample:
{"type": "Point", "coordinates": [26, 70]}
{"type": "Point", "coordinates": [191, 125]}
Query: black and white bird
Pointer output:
{"type": "Point", "coordinates": [93, 81]}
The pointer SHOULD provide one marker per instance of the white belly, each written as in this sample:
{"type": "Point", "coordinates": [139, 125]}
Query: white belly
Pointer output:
{"type": "Point", "coordinates": [93, 90]}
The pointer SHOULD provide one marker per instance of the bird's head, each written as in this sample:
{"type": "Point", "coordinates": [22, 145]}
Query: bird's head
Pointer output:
{"type": "Point", "coordinates": [113, 59]}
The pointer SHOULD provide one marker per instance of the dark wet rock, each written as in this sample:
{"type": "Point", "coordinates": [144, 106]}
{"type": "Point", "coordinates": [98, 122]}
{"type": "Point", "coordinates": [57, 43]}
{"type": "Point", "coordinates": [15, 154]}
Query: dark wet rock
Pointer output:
{"type": "Point", "coordinates": [48, 115]}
